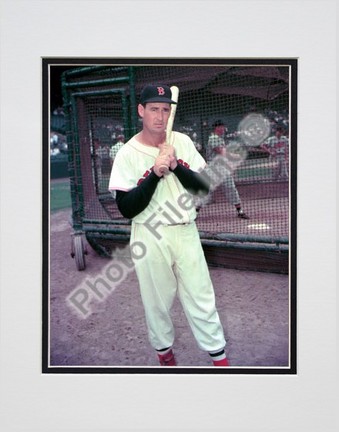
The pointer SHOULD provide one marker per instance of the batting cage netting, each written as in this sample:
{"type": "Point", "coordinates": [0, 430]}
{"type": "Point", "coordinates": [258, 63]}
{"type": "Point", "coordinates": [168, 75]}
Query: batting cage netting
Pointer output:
{"type": "Point", "coordinates": [250, 102]}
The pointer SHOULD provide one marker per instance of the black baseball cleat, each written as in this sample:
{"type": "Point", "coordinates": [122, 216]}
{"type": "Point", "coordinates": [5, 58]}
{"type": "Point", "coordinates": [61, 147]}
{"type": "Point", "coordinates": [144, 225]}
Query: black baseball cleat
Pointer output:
{"type": "Point", "coordinates": [243, 215]}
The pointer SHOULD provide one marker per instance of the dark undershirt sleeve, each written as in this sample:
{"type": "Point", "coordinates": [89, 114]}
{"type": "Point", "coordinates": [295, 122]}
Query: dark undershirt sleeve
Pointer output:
{"type": "Point", "coordinates": [194, 182]}
{"type": "Point", "coordinates": [133, 202]}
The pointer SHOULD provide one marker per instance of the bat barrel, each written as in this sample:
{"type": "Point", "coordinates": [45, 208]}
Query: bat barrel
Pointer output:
{"type": "Point", "coordinates": [175, 97]}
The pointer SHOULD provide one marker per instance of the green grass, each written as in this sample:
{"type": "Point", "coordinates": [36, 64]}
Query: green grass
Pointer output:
{"type": "Point", "coordinates": [247, 172]}
{"type": "Point", "coordinates": [60, 195]}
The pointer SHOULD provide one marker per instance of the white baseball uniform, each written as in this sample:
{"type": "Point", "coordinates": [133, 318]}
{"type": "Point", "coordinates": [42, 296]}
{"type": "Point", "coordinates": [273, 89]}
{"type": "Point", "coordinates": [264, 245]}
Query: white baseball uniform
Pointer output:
{"type": "Point", "coordinates": [228, 184]}
{"type": "Point", "coordinates": [174, 262]}
{"type": "Point", "coordinates": [278, 148]}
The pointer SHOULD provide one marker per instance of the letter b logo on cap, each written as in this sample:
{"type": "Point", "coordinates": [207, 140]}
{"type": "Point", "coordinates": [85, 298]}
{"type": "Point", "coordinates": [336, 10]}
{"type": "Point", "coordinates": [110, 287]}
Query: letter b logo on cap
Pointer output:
{"type": "Point", "coordinates": [161, 91]}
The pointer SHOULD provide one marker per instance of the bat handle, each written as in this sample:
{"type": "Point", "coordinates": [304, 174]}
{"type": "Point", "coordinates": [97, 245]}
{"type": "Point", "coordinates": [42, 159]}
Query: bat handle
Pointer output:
{"type": "Point", "coordinates": [164, 169]}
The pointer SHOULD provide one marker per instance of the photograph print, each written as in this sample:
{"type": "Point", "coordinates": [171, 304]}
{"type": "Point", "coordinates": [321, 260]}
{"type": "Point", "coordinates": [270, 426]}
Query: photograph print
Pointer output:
{"type": "Point", "coordinates": [169, 215]}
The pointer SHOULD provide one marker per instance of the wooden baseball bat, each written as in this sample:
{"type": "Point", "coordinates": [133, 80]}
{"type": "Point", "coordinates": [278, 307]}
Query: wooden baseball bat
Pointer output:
{"type": "Point", "coordinates": [175, 97]}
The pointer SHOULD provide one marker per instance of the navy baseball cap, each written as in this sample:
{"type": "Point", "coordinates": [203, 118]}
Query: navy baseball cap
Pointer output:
{"type": "Point", "coordinates": [218, 123]}
{"type": "Point", "coordinates": [156, 93]}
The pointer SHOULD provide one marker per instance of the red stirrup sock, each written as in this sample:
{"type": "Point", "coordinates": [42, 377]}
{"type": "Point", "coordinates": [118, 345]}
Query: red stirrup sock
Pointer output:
{"type": "Point", "coordinates": [223, 362]}
{"type": "Point", "coordinates": [219, 358]}
{"type": "Point", "coordinates": [166, 357]}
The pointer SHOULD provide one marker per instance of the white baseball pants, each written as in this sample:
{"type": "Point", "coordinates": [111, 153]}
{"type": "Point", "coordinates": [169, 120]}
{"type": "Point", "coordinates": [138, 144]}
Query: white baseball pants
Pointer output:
{"type": "Point", "coordinates": [173, 265]}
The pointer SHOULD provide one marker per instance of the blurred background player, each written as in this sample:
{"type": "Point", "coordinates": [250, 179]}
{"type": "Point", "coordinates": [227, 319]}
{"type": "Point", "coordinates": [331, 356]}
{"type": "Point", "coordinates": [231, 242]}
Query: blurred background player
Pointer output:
{"type": "Point", "coordinates": [216, 146]}
{"type": "Point", "coordinates": [116, 147]}
{"type": "Point", "coordinates": [277, 146]}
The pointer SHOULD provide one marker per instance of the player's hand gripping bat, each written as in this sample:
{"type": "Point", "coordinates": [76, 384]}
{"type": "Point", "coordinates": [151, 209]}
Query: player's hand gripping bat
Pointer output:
{"type": "Point", "coordinates": [164, 149]}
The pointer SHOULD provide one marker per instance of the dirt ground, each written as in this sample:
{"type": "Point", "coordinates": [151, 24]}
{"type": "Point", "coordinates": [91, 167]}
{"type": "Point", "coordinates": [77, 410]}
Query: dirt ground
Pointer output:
{"type": "Point", "coordinates": [253, 307]}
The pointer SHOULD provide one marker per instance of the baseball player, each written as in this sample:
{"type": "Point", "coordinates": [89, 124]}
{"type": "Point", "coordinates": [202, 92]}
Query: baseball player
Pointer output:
{"type": "Point", "coordinates": [277, 146]}
{"type": "Point", "coordinates": [162, 211]}
{"type": "Point", "coordinates": [217, 146]}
